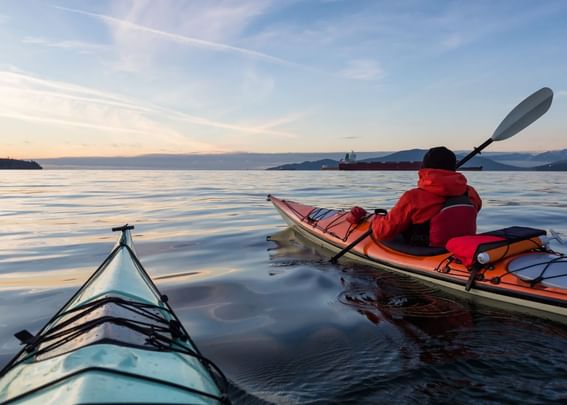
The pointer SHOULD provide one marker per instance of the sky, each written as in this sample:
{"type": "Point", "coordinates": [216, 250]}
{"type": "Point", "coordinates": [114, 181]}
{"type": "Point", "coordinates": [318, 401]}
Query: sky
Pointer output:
{"type": "Point", "coordinates": [123, 78]}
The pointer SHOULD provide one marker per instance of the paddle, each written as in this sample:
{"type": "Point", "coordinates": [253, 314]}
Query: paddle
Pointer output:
{"type": "Point", "coordinates": [519, 118]}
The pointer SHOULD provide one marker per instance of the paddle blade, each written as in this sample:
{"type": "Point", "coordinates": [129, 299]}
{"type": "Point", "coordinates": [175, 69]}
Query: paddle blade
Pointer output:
{"type": "Point", "coordinates": [524, 114]}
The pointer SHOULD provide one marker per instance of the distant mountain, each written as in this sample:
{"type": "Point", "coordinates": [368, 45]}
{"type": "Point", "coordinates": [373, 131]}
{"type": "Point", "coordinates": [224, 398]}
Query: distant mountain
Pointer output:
{"type": "Point", "coordinates": [560, 166]}
{"type": "Point", "coordinates": [407, 155]}
{"type": "Point", "coordinates": [316, 165]}
{"type": "Point", "coordinates": [548, 157]}
{"type": "Point", "coordinates": [19, 164]}
{"type": "Point", "coordinates": [488, 164]}
{"type": "Point", "coordinates": [531, 161]}
{"type": "Point", "coordinates": [224, 161]}
{"type": "Point", "coordinates": [510, 156]}
{"type": "Point", "coordinates": [417, 155]}
{"type": "Point", "coordinates": [551, 156]}
{"type": "Point", "coordinates": [402, 156]}
{"type": "Point", "coordinates": [276, 161]}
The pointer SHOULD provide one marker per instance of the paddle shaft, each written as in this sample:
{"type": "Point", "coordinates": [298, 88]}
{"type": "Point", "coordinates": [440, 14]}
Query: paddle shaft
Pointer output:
{"type": "Point", "coordinates": [475, 152]}
{"type": "Point", "coordinates": [353, 244]}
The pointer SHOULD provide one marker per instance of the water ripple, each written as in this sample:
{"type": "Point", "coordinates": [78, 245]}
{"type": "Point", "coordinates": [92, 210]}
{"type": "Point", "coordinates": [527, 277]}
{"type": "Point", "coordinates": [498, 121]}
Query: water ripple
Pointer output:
{"type": "Point", "coordinates": [286, 326]}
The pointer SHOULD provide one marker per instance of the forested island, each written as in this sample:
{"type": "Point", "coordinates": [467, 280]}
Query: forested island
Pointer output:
{"type": "Point", "coordinates": [16, 164]}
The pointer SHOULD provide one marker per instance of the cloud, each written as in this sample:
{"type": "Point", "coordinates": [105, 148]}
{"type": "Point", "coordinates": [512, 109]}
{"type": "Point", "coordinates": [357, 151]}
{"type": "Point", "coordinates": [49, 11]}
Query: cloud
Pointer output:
{"type": "Point", "coordinates": [24, 82]}
{"type": "Point", "coordinates": [257, 85]}
{"type": "Point", "coordinates": [65, 122]}
{"type": "Point", "coordinates": [4, 18]}
{"type": "Point", "coordinates": [31, 99]}
{"type": "Point", "coordinates": [28, 98]}
{"type": "Point", "coordinates": [213, 20]}
{"type": "Point", "coordinates": [282, 121]}
{"type": "Point", "coordinates": [562, 93]}
{"type": "Point", "coordinates": [181, 39]}
{"type": "Point", "coordinates": [79, 46]}
{"type": "Point", "coordinates": [470, 22]}
{"type": "Point", "coordinates": [362, 69]}
{"type": "Point", "coordinates": [453, 41]}
{"type": "Point", "coordinates": [79, 98]}
{"type": "Point", "coordinates": [261, 129]}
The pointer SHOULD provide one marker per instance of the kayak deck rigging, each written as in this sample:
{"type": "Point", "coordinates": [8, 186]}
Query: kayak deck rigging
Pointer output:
{"type": "Point", "coordinates": [121, 326]}
{"type": "Point", "coordinates": [65, 332]}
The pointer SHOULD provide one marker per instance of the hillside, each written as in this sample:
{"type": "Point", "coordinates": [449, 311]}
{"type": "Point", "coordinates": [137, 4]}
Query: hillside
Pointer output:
{"type": "Point", "coordinates": [552, 156]}
{"type": "Point", "coordinates": [489, 164]}
{"type": "Point", "coordinates": [315, 165]}
{"type": "Point", "coordinates": [417, 155]}
{"type": "Point", "coordinates": [274, 161]}
{"type": "Point", "coordinates": [402, 156]}
{"type": "Point", "coordinates": [224, 161]}
{"type": "Point", "coordinates": [526, 159]}
{"type": "Point", "coordinates": [560, 166]}
{"type": "Point", "coordinates": [406, 155]}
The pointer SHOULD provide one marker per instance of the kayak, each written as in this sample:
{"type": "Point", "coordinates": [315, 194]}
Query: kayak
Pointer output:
{"type": "Point", "coordinates": [520, 270]}
{"type": "Point", "coordinates": [116, 340]}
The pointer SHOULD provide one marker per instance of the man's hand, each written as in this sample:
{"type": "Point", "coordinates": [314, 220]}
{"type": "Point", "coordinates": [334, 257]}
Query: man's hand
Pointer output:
{"type": "Point", "coordinates": [356, 215]}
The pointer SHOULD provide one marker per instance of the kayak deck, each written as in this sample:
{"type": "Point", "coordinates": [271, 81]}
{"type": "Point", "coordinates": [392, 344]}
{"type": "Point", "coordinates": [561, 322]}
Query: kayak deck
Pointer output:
{"type": "Point", "coordinates": [116, 340]}
{"type": "Point", "coordinates": [498, 281]}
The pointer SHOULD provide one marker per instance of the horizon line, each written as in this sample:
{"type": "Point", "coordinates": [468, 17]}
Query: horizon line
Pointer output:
{"type": "Point", "coordinates": [262, 153]}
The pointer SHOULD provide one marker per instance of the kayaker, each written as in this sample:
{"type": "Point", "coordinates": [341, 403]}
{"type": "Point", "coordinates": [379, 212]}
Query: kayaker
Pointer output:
{"type": "Point", "coordinates": [442, 206]}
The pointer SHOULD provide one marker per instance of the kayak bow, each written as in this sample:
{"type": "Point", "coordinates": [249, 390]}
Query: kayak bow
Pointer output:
{"type": "Point", "coordinates": [523, 273]}
{"type": "Point", "coordinates": [116, 340]}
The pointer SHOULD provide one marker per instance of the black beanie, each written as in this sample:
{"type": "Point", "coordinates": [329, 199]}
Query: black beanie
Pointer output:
{"type": "Point", "coordinates": [439, 158]}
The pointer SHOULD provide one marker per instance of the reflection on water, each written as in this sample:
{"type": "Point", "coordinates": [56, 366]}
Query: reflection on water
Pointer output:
{"type": "Point", "coordinates": [284, 324]}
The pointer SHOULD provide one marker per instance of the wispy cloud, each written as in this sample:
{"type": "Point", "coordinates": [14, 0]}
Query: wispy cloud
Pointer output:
{"type": "Point", "coordinates": [66, 122]}
{"type": "Point", "coordinates": [32, 99]}
{"type": "Point", "coordinates": [79, 98]}
{"type": "Point", "coordinates": [182, 39]}
{"type": "Point", "coordinates": [260, 129]}
{"type": "Point", "coordinates": [213, 20]}
{"type": "Point", "coordinates": [453, 41]}
{"type": "Point", "coordinates": [78, 46]}
{"type": "Point", "coordinates": [28, 98]}
{"type": "Point", "coordinates": [362, 69]}
{"type": "Point", "coordinates": [23, 81]}
{"type": "Point", "coordinates": [471, 22]}
{"type": "Point", "coordinates": [562, 93]}
{"type": "Point", "coordinates": [4, 18]}
{"type": "Point", "coordinates": [278, 122]}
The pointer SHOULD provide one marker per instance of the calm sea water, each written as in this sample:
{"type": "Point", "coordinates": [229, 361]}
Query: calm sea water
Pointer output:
{"type": "Point", "coordinates": [284, 325]}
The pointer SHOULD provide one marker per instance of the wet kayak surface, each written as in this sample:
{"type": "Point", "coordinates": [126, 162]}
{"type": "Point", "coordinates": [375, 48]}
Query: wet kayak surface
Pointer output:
{"type": "Point", "coordinates": [283, 324]}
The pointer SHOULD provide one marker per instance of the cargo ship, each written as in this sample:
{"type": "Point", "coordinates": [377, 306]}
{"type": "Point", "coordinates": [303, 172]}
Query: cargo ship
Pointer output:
{"type": "Point", "coordinates": [350, 163]}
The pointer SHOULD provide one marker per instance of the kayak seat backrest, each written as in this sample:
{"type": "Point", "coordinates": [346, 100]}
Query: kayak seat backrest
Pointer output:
{"type": "Point", "coordinates": [457, 218]}
{"type": "Point", "coordinates": [399, 245]}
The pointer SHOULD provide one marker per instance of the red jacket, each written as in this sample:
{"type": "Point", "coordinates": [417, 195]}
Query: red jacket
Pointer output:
{"type": "Point", "coordinates": [420, 204]}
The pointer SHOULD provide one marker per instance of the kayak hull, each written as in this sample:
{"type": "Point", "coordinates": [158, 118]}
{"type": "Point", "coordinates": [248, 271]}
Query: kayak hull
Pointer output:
{"type": "Point", "coordinates": [105, 373]}
{"type": "Point", "coordinates": [115, 341]}
{"type": "Point", "coordinates": [332, 233]}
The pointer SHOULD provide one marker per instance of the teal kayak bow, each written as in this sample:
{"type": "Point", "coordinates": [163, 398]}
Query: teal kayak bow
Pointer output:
{"type": "Point", "coordinates": [116, 340]}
